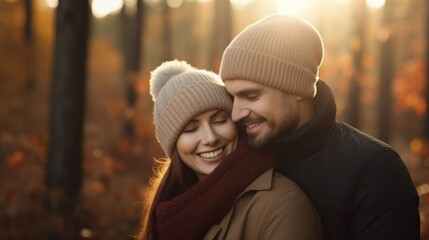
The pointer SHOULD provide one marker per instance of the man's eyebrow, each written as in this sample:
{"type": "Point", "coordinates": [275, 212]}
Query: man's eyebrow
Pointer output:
{"type": "Point", "coordinates": [248, 91]}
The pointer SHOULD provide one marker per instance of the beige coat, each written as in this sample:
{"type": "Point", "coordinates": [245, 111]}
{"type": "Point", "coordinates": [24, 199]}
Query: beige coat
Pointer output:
{"type": "Point", "coordinates": [272, 207]}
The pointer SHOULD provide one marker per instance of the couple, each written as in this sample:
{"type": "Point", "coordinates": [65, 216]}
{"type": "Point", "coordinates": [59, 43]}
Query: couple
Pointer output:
{"type": "Point", "coordinates": [223, 181]}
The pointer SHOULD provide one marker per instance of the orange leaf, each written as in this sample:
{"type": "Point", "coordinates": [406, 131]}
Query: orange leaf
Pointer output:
{"type": "Point", "coordinates": [16, 159]}
{"type": "Point", "coordinates": [98, 187]}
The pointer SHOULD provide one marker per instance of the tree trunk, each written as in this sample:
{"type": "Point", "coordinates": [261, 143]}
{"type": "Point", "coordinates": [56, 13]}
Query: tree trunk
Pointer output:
{"type": "Point", "coordinates": [166, 44]}
{"type": "Point", "coordinates": [28, 26]}
{"type": "Point", "coordinates": [29, 54]}
{"type": "Point", "coordinates": [131, 44]}
{"type": "Point", "coordinates": [426, 119]}
{"type": "Point", "coordinates": [64, 168]}
{"type": "Point", "coordinates": [386, 77]}
{"type": "Point", "coordinates": [222, 31]}
{"type": "Point", "coordinates": [192, 45]}
{"type": "Point", "coordinates": [354, 102]}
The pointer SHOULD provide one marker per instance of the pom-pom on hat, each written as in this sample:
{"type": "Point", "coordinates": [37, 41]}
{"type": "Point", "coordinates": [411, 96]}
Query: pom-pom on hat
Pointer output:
{"type": "Point", "coordinates": [279, 51]}
{"type": "Point", "coordinates": [180, 92]}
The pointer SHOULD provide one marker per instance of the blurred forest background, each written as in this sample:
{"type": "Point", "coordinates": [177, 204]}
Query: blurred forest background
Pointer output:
{"type": "Point", "coordinates": [76, 135]}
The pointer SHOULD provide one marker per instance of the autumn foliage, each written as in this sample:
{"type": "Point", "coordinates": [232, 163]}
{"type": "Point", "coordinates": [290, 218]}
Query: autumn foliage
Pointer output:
{"type": "Point", "coordinates": [117, 167]}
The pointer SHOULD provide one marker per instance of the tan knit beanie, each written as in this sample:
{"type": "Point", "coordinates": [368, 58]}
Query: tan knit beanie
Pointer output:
{"type": "Point", "coordinates": [279, 51]}
{"type": "Point", "coordinates": [181, 92]}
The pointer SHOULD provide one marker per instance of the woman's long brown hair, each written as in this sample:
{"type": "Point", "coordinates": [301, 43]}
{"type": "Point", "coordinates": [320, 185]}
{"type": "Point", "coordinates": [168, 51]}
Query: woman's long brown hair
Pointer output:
{"type": "Point", "coordinates": [171, 177]}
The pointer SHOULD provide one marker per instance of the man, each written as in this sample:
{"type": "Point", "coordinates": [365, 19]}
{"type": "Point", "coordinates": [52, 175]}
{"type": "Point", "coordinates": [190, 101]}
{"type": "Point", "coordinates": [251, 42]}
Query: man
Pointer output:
{"type": "Point", "coordinates": [359, 185]}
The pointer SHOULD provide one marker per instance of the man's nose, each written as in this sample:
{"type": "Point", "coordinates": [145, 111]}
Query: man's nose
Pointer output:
{"type": "Point", "coordinates": [239, 111]}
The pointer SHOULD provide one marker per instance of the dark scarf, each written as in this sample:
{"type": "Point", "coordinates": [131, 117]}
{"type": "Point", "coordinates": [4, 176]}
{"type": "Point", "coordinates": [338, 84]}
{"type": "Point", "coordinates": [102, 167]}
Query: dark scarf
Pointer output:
{"type": "Point", "coordinates": [191, 214]}
{"type": "Point", "coordinates": [309, 138]}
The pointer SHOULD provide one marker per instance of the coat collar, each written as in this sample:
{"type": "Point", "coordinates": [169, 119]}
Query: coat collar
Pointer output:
{"type": "Point", "coordinates": [263, 182]}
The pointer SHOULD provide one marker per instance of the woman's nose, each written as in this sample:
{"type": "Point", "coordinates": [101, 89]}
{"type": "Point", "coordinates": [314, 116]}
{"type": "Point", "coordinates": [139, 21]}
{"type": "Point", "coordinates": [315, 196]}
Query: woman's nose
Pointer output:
{"type": "Point", "coordinates": [209, 136]}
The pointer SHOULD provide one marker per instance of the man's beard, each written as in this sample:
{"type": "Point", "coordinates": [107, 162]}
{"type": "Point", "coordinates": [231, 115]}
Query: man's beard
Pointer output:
{"type": "Point", "coordinates": [261, 142]}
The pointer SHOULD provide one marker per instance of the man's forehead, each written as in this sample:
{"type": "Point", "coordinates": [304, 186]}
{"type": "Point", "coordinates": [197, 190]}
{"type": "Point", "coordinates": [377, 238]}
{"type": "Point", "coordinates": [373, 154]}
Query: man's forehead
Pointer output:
{"type": "Point", "coordinates": [239, 85]}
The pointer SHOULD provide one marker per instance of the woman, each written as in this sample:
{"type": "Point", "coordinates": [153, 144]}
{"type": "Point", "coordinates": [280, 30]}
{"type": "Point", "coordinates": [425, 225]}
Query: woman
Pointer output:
{"type": "Point", "coordinates": [214, 186]}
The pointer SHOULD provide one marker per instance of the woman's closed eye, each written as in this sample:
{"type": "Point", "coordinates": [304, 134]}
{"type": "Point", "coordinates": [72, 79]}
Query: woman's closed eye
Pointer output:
{"type": "Point", "coordinates": [218, 118]}
{"type": "Point", "coordinates": [190, 129]}
{"type": "Point", "coordinates": [220, 121]}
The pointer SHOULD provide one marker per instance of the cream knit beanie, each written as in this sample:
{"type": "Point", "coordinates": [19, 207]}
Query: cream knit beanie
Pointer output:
{"type": "Point", "coordinates": [181, 92]}
{"type": "Point", "coordinates": [279, 51]}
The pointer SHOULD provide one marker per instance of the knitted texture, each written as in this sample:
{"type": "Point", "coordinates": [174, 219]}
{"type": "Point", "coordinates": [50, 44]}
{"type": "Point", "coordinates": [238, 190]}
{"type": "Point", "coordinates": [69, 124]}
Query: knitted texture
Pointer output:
{"type": "Point", "coordinates": [181, 92]}
{"type": "Point", "coordinates": [190, 215]}
{"type": "Point", "coordinates": [279, 51]}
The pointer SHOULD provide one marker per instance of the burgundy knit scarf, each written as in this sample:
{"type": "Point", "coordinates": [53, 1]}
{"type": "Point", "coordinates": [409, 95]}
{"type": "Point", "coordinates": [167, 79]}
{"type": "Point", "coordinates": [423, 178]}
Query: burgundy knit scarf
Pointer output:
{"type": "Point", "coordinates": [190, 215]}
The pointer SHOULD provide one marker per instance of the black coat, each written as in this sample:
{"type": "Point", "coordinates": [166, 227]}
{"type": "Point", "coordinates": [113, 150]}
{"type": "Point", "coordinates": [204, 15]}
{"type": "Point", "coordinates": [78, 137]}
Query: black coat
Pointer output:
{"type": "Point", "coordinates": [359, 185]}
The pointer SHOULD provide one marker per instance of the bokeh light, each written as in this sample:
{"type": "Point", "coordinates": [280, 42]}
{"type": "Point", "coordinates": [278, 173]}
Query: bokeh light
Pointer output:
{"type": "Point", "coordinates": [174, 3]}
{"type": "Point", "coordinates": [51, 3]}
{"type": "Point", "coordinates": [291, 6]}
{"type": "Point", "coordinates": [102, 8]}
{"type": "Point", "coordinates": [240, 4]}
{"type": "Point", "coordinates": [375, 4]}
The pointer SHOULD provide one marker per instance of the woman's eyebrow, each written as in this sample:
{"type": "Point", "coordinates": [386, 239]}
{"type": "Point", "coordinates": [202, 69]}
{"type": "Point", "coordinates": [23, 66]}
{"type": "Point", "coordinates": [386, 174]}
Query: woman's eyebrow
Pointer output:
{"type": "Point", "coordinates": [215, 114]}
